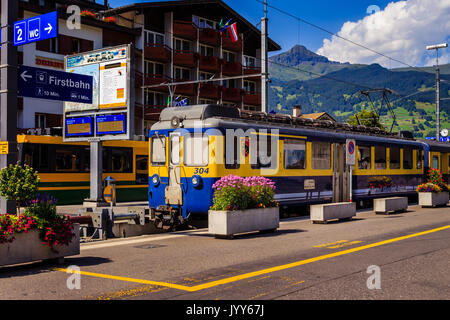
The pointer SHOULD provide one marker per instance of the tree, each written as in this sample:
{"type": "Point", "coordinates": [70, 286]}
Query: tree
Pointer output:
{"type": "Point", "coordinates": [18, 183]}
{"type": "Point", "coordinates": [366, 118]}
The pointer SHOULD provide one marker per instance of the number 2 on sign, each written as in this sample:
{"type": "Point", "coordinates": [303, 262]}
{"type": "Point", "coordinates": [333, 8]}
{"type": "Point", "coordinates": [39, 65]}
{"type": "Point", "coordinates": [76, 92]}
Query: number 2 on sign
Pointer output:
{"type": "Point", "coordinates": [201, 171]}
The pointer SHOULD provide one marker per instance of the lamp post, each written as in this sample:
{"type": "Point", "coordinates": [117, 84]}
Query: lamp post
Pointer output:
{"type": "Point", "coordinates": [437, 47]}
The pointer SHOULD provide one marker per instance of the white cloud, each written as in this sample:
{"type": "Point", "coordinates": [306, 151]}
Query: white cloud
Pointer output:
{"type": "Point", "coordinates": [401, 31]}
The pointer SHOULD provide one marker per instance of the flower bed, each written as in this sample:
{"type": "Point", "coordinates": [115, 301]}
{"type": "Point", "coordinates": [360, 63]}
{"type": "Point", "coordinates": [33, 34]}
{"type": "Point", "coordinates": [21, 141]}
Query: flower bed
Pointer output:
{"type": "Point", "coordinates": [243, 205]}
{"type": "Point", "coordinates": [435, 192]}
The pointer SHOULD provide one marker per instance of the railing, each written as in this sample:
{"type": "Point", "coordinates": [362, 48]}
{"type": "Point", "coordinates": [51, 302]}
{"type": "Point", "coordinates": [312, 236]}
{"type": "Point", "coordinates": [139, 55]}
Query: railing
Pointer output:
{"type": "Point", "coordinates": [184, 58]}
{"type": "Point", "coordinates": [232, 68]}
{"type": "Point", "coordinates": [209, 36]}
{"type": "Point", "coordinates": [157, 52]}
{"type": "Point", "coordinates": [208, 63]}
{"type": "Point", "coordinates": [184, 29]}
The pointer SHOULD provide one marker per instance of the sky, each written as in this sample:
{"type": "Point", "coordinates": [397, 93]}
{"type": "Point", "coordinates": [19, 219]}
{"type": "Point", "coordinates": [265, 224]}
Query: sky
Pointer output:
{"type": "Point", "coordinates": [398, 29]}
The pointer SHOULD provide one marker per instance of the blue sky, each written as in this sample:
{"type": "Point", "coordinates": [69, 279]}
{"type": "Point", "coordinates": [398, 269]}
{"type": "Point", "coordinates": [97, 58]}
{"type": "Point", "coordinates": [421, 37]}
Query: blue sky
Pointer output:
{"type": "Point", "coordinates": [397, 37]}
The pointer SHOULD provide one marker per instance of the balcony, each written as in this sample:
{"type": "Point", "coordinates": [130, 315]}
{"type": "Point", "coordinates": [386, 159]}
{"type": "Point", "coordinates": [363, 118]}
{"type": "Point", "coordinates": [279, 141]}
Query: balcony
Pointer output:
{"type": "Point", "coordinates": [184, 58]}
{"type": "Point", "coordinates": [209, 36]}
{"type": "Point", "coordinates": [157, 52]}
{"type": "Point", "coordinates": [252, 70]}
{"type": "Point", "coordinates": [185, 89]}
{"type": "Point", "coordinates": [228, 44]}
{"type": "Point", "coordinates": [209, 91]}
{"type": "Point", "coordinates": [184, 29]}
{"type": "Point", "coordinates": [252, 98]}
{"type": "Point", "coordinates": [232, 68]}
{"type": "Point", "coordinates": [152, 112]}
{"type": "Point", "coordinates": [154, 79]}
{"type": "Point", "coordinates": [231, 95]}
{"type": "Point", "coordinates": [210, 64]}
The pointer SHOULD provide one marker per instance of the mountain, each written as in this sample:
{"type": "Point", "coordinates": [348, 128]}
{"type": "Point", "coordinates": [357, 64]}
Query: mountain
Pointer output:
{"type": "Point", "coordinates": [336, 89]}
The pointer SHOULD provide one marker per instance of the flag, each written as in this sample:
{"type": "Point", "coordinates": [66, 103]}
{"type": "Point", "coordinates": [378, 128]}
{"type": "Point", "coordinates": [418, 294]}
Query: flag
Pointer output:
{"type": "Point", "coordinates": [233, 32]}
{"type": "Point", "coordinates": [182, 103]}
{"type": "Point", "coordinates": [168, 101]}
{"type": "Point", "coordinates": [224, 27]}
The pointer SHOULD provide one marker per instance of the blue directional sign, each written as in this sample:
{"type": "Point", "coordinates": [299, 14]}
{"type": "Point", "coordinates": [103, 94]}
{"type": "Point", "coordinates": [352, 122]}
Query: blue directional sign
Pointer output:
{"type": "Point", "coordinates": [35, 29]}
{"type": "Point", "coordinates": [54, 85]}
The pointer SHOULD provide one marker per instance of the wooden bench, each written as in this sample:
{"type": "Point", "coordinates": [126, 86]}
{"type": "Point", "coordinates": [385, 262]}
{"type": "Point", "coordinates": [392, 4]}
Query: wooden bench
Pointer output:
{"type": "Point", "coordinates": [386, 205]}
{"type": "Point", "coordinates": [322, 213]}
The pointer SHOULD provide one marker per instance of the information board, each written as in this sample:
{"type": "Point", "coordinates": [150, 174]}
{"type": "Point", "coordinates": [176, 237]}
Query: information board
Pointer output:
{"type": "Point", "coordinates": [76, 127]}
{"type": "Point", "coordinates": [111, 124]}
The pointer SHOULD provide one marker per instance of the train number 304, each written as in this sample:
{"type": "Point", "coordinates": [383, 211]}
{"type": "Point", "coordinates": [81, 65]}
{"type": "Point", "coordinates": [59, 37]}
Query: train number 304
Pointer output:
{"type": "Point", "coordinates": [201, 170]}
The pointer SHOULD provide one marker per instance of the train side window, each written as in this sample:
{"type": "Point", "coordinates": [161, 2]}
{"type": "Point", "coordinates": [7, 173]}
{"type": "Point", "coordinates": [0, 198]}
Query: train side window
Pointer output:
{"type": "Point", "coordinates": [364, 158]}
{"type": "Point", "coordinates": [394, 156]}
{"type": "Point", "coordinates": [196, 150]}
{"type": "Point", "coordinates": [294, 154]}
{"type": "Point", "coordinates": [67, 160]}
{"type": "Point", "coordinates": [232, 162]}
{"type": "Point", "coordinates": [321, 155]}
{"type": "Point", "coordinates": [36, 156]}
{"type": "Point", "coordinates": [407, 158]}
{"type": "Point", "coordinates": [141, 169]}
{"type": "Point", "coordinates": [380, 157]}
{"type": "Point", "coordinates": [449, 163]}
{"type": "Point", "coordinates": [264, 153]}
{"type": "Point", "coordinates": [435, 162]}
{"type": "Point", "coordinates": [158, 151]}
{"type": "Point", "coordinates": [121, 160]}
{"type": "Point", "coordinates": [419, 159]}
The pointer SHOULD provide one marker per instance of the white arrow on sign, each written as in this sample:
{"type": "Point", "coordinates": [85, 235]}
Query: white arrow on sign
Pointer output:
{"type": "Point", "coordinates": [49, 28]}
{"type": "Point", "coordinates": [24, 75]}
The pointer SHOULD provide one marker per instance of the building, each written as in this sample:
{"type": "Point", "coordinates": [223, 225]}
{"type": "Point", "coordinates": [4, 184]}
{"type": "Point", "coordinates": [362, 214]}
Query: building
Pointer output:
{"type": "Point", "coordinates": [175, 41]}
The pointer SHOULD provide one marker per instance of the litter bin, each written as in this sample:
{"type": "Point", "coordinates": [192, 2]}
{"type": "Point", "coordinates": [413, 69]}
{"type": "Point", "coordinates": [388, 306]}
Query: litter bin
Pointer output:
{"type": "Point", "coordinates": [109, 192]}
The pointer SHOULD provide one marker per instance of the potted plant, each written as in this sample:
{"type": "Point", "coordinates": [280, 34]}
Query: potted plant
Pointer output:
{"type": "Point", "coordinates": [243, 205]}
{"type": "Point", "coordinates": [435, 192]}
{"type": "Point", "coordinates": [109, 19]}
{"type": "Point", "coordinates": [87, 13]}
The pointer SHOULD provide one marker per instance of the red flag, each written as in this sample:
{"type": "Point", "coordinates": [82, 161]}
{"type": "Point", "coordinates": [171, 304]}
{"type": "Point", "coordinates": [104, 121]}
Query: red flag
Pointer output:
{"type": "Point", "coordinates": [233, 32]}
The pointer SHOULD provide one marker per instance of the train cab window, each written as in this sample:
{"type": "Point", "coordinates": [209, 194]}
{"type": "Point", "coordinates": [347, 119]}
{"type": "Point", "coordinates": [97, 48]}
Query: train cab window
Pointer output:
{"type": "Point", "coordinates": [121, 160]}
{"type": "Point", "coordinates": [419, 159]}
{"type": "Point", "coordinates": [394, 157]}
{"type": "Point", "coordinates": [435, 162]}
{"type": "Point", "coordinates": [380, 157]}
{"type": "Point", "coordinates": [364, 158]}
{"type": "Point", "coordinates": [321, 155]}
{"type": "Point", "coordinates": [196, 150]}
{"type": "Point", "coordinates": [67, 160]}
{"type": "Point", "coordinates": [294, 154]}
{"type": "Point", "coordinates": [158, 151]}
{"type": "Point", "coordinates": [141, 169]}
{"type": "Point", "coordinates": [407, 158]}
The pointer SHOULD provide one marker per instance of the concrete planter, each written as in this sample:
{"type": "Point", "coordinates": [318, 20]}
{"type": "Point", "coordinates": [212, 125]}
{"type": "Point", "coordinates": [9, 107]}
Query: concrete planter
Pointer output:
{"type": "Point", "coordinates": [228, 223]}
{"type": "Point", "coordinates": [322, 213]}
{"type": "Point", "coordinates": [28, 247]}
{"type": "Point", "coordinates": [433, 199]}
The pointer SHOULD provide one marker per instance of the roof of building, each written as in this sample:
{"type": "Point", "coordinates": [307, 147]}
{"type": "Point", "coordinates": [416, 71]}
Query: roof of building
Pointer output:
{"type": "Point", "coordinates": [316, 116]}
{"type": "Point", "coordinates": [273, 46]}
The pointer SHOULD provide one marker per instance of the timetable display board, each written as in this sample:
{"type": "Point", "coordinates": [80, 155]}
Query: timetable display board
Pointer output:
{"type": "Point", "coordinates": [111, 113]}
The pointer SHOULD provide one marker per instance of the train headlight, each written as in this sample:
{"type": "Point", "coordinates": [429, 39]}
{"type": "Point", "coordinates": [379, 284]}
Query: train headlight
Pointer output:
{"type": "Point", "coordinates": [155, 180]}
{"type": "Point", "coordinates": [196, 181]}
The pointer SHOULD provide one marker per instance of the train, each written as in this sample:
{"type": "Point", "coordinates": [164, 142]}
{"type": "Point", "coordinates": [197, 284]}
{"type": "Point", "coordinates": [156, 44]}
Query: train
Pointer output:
{"type": "Point", "coordinates": [64, 167]}
{"type": "Point", "coordinates": [191, 147]}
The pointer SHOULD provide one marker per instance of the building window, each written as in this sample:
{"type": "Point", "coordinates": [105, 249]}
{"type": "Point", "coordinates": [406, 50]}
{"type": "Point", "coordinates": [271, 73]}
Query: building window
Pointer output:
{"type": "Point", "coordinates": [250, 86]}
{"type": "Point", "coordinates": [182, 73]}
{"type": "Point", "coordinates": [321, 155]}
{"type": "Point", "coordinates": [75, 45]}
{"type": "Point", "coordinates": [250, 108]}
{"type": "Point", "coordinates": [206, 51]}
{"type": "Point", "coordinates": [394, 157]}
{"type": "Point", "coordinates": [40, 120]}
{"type": "Point", "coordinates": [294, 154]}
{"type": "Point", "coordinates": [229, 56]}
{"type": "Point", "coordinates": [153, 68]}
{"type": "Point", "coordinates": [152, 98]}
{"type": "Point", "coordinates": [407, 158]}
{"type": "Point", "coordinates": [151, 37]}
{"type": "Point", "coordinates": [204, 23]}
{"type": "Point", "coordinates": [364, 156]}
{"type": "Point", "coordinates": [249, 62]}
{"type": "Point", "coordinates": [229, 83]}
{"type": "Point", "coordinates": [181, 45]}
{"type": "Point", "coordinates": [380, 157]}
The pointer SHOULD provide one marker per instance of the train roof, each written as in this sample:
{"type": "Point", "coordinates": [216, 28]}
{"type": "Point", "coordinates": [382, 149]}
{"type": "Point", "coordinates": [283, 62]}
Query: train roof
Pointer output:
{"type": "Point", "coordinates": [234, 117]}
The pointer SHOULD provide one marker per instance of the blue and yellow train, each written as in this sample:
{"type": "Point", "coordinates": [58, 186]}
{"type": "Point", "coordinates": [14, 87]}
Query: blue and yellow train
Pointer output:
{"type": "Point", "coordinates": [192, 147]}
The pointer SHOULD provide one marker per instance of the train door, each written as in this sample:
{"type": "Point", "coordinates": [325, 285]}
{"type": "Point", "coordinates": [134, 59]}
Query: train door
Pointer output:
{"type": "Point", "coordinates": [174, 194]}
{"type": "Point", "coordinates": [341, 174]}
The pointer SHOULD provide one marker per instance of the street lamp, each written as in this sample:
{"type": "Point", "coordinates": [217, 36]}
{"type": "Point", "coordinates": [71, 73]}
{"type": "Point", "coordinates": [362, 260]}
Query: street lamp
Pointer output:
{"type": "Point", "coordinates": [437, 47]}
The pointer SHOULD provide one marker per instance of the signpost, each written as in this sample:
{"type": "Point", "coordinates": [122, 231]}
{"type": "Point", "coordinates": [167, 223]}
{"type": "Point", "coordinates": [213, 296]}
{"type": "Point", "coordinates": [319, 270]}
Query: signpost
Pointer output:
{"type": "Point", "coordinates": [54, 85]}
{"type": "Point", "coordinates": [350, 160]}
{"type": "Point", "coordinates": [36, 29]}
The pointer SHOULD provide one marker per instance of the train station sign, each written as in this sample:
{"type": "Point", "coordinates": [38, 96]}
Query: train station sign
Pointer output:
{"type": "Point", "coordinates": [36, 28]}
{"type": "Point", "coordinates": [54, 85]}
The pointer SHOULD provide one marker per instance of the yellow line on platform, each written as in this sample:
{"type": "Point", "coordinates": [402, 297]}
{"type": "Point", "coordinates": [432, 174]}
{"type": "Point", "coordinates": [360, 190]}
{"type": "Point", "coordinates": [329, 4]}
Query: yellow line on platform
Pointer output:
{"type": "Point", "coordinates": [255, 273]}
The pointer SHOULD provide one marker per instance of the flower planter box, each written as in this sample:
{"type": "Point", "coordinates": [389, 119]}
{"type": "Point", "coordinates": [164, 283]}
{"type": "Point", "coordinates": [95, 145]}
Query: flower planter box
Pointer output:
{"type": "Point", "coordinates": [433, 199]}
{"type": "Point", "coordinates": [225, 224]}
{"type": "Point", "coordinates": [28, 247]}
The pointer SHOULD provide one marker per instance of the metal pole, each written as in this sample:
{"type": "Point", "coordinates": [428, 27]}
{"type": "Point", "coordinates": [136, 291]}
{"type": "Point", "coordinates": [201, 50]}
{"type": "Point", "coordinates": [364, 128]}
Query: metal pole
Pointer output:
{"type": "Point", "coordinates": [8, 94]}
{"type": "Point", "coordinates": [438, 130]}
{"type": "Point", "coordinates": [264, 58]}
{"type": "Point", "coordinates": [96, 174]}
